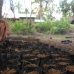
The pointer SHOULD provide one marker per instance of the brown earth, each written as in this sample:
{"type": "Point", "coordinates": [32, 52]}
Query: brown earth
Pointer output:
{"type": "Point", "coordinates": [54, 40]}
{"type": "Point", "coordinates": [64, 47]}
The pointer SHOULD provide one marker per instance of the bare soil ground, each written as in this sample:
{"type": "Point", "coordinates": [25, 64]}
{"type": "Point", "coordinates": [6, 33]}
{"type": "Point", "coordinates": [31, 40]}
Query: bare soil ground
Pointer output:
{"type": "Point", "coordinates": [64, 47]}
{"type": "Point", "coordinates": [54, 40]}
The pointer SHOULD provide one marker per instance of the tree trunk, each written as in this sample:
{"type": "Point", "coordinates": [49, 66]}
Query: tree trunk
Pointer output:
{"type": "Point", "coordinates": [73, 15]}
{"type": "Point", "coordinates": [40, 11]}
{"type": "Point", "coordinates": [1, 3]}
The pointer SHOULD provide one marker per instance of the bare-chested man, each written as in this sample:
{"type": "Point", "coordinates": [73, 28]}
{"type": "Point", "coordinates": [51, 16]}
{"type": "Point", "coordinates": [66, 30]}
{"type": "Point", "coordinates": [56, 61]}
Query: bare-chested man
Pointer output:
{"type": "Point", "coordinates": [4, 29]}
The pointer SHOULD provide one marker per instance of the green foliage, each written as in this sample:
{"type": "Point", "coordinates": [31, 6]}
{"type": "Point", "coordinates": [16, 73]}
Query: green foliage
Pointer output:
{"type": "Point", "coordinates": [43, 26]}
{"type": "Point", "coordinates": [48, 27]}
{"type": "Point", "coordinates": [56, 27]}
{"type": "Point", "coordinates": [61, 26]}
{"type": "Point", "coordinates": [72, 6]}
{"type": "Point", "coordinates": [29, 29]}
{"type": "Point", "coordinates": [21, 27]}
{"type": "Point", "coordinates": [18, 26]}
{"type": "Point", "coordinates": [64, 7]}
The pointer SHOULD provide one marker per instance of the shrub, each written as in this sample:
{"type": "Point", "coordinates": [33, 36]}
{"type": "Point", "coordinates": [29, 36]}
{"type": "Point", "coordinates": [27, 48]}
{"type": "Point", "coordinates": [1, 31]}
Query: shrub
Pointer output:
{"type": "Point", "coordinates": [54, 27]}
{"type": "Point", "coordinates": [43, 26]}
{"type": "Point", "coordinates": [29, 29]}
{"type": "Point", "coordinates": [62, 26]}
{"type": "Point", "coordinates": [20, 26]}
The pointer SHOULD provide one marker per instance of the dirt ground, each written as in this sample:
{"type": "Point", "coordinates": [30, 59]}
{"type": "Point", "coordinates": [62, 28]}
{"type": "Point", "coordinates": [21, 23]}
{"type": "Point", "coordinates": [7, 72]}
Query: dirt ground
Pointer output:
{"type": "Point", "coordinates": [54, 40]}
{"type": "Point", "coordinates": [64, 47]}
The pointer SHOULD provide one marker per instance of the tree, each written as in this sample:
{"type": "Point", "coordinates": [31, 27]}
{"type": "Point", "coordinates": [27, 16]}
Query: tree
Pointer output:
{"type": "Point", "coordinates": [1, 3]}
{"type": "Point", "coordinates": [42, 7]}
{"type": "Point", "coordinates": [12, 7]}
{"type": "Point", "coordinates": [18, 6]}
{"type": "Point", "coordinates": [72, 8]}
{"type": "Point", "coordinates": [48, 11]}
{"type": "Point", "coordinates": [64, 7]}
